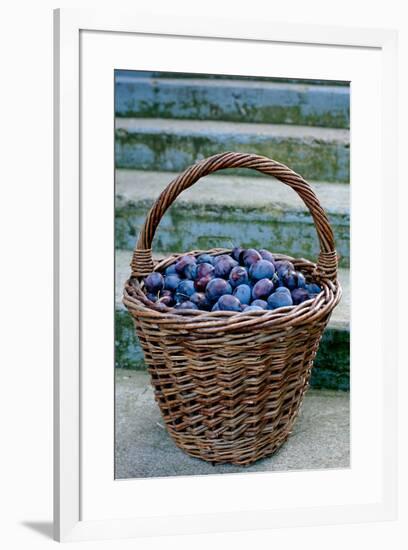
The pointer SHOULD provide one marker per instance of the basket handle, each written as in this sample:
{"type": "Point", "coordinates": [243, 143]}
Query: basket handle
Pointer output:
{"type": "Point", "coordinates": [142, 261]}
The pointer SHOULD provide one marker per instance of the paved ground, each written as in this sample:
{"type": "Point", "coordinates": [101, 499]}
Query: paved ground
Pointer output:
{"type": "Point", "coordinates": [320, 438]}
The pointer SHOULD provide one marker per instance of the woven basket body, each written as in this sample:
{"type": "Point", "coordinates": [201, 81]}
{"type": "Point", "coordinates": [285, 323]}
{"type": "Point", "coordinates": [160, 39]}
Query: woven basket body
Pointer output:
{"type": "Point", "coordinates": [229, 385]}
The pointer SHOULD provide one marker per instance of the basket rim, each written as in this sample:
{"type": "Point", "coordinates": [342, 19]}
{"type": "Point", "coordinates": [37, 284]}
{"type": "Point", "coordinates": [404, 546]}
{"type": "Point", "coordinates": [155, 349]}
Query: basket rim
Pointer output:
{"type": "Point", "coordinates": [323, 303]}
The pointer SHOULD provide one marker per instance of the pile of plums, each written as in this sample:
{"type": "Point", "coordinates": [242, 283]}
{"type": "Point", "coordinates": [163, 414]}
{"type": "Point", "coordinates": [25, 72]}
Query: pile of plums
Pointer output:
{"type": "Point", "coordinates": [245, 280]}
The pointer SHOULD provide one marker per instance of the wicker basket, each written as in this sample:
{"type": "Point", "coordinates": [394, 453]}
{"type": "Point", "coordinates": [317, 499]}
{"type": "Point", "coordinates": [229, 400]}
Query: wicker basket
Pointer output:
{"type": "Point", "coordinates": [229, 385]}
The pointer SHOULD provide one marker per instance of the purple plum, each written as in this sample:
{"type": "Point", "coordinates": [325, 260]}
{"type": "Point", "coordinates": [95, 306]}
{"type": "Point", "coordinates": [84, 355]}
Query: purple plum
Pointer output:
{"type": "Point", "coordinates": [279, 299]}
{"type": "Point", "coordinates": [204, 269]}
{"type": "Point", "coordinates": [247, 309]}
{"type": "Point", "coordinates": [313, 289]}
{"type": "Point", "coordinates": [243, 293]}
{"type": "Point", "coordinates": [200, 300]}
{"type": "Point", "coordinates": [299, 295]}
{"type": "Point", "coordinates": [262, 289]}
{"type": "Point", "coordinates": [223, 265]}
{"type": "Point", "coordinates": [186, 305]}
{"type": "Point", "coordinates": [259, 303]}
{"type": "Point", "coordinates": [185, 289]}
{"type": "Point", "coordinates": [266, 255]}
{"type": "Point", "coordinates": [235, 253]}
{"type": "Point", "coordinates": [263, 269]}
{"type": "Point", "coordinates": [229, 303]}
{"type": "Point", "coordinates": [216, 288]}
{"type": "Point", "coordinates": [293, 279]}
{"type": "Point", "coordinates": [205, 259]}
{"type": "Point", "coordinates": [154, 282]}
{"type": "Point", "coordinates": [190, 271]}
{"type": "Point", "coordinates": [167, 298]}
{"type": "Point", "coordinates": [238, 276]}
{"type": "Point", "coordinates": [183, 262]}
{"type": "Point", "coordinates": [249, 257]}
{"type": "Point", "coordinates": [170, 270]}
{"type": "Point", "coordinates": [201, 284]}
{"type": "Point", "coordinates": [283, 265]}
{"type": "Point", "coordinates": [171, 282]}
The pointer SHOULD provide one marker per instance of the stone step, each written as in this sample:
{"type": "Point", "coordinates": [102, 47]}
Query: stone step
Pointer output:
{"type": "Point", "coordinates": [120, 73]}
{"type": "Point", "coordinates": [236, 100]}
{"type": "Point", "coordinates": [332, 363]}
{"type": "Point", "coordinates": [220, 210]}
{"type": "Point", "coordinates": [319, 154]}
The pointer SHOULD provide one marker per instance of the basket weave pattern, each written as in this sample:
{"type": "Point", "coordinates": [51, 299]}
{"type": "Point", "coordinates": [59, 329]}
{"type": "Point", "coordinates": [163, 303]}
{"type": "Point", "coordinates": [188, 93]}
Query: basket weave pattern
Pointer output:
{"type": "Point", "coordinates": [230, 385]}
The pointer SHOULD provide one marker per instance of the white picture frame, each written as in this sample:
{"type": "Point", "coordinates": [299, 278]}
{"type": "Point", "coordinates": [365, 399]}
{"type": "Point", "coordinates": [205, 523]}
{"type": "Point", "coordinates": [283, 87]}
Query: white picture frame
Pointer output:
{"type": "Point", "coordinates": [70, 374]}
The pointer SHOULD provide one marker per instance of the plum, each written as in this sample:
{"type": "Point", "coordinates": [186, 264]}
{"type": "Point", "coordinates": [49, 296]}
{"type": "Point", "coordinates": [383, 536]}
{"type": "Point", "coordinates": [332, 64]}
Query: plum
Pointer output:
{"type": "Point", "coordinates": [170, 270]}
{"type": "Point", "coordinates": [183, 262]}
{"type": "Point", "coordinates": [279, 299]}
{"type": "Point", "coordinates": [252, 308]}
{"type": "Point", "coordinates": [259, 303]}
{"type": "Point", "coordinates": [204, 269]}
{"type": "Point", "coordinates": [154, 282]}
{"type": "Point", "coordinates": [185, 289]}
{"type": "Point", "coordinates": [201, 284]}
{"type": "Point", "coordinates": [235, 253]}
{"type": "Point", "coordinates": [238, 276]}
{"type": "Point", "coordinates": [152, 297]}
{"type": "Point", "coordinates": [216, 288]}
{"type": "Point", "coordinates": [205, 259]}
{"type": "Point", "coordinates": [263, 269]}
{"type": "Point", "coordinates": [243, 293]}
{"type": "Point", "coordinates": [186, 305]}
{"type": "Point", "coordinates": [249, 257]}
{"type": "Point", "coordinates": [200, 300]}
{"type": "Point", "coordinates": [289, 279]}
{"type": "Point", "coordinates": [190, 271]}
{"type": "Point", "coordinates": [301, 281]}
{"type": "Point", "coordinates": [283, 265]}
{"type": "Point", "coordinates": [293, 279]}
{"type": "Point", "coordinates": [229, 303]}
{"type": "Point", "coordinates": [262, 289]}
{"type": "Point", "coordinates": [223, 265]}
{"type": "Point", "coordinates": [171, 282]}
{"type": "Point", "coordinates": [266, 255]}
{"type": "Point", "coordinates": [283, 289]}
{"type": "Point", "coordinates": [167, 298]}
{"type": "Point", "coordinates": [313, 289]}
{"type": "Point", "coordinates": [299, 295]}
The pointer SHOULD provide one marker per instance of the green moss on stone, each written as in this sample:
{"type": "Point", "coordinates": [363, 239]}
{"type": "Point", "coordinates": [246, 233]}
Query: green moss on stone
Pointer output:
{"type": "Point", "coordinates": [189, 225]}
{"type": "Point", "coordinates": [315, 160]}
{"type": "Point", "coordinates": [128, 353]}
{"type": "Point", "coordinates": [332, 364]}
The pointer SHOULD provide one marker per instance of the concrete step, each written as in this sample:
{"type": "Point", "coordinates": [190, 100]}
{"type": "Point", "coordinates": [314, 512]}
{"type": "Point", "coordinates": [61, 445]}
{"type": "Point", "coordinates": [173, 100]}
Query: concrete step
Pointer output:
{"type": "Point", "coordinates": [220, 210]}
{"type": "Point", "coordinates": [120, 73]}
{"type": "Point", "coordinates": [319, 154]}
{"type": "Point", "coordinates": [143, 448]}
{"type": "Point", "coordinates": [273, 102]}
{"type": "Point", "coordinates": [332, 363]}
